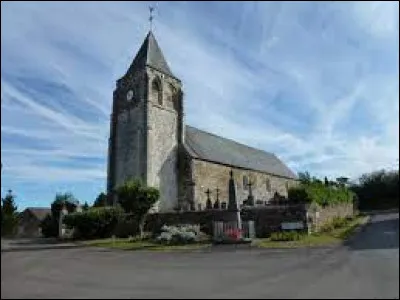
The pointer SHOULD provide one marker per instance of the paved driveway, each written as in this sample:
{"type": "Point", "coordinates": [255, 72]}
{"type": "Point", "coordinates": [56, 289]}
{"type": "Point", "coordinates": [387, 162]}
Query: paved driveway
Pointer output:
{"type": "Point", "coordinates": [368, 267]}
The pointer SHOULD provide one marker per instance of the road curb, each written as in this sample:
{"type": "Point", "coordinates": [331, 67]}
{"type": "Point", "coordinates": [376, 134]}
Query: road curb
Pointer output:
{"type": "Point", "coordinates": [61, 247]}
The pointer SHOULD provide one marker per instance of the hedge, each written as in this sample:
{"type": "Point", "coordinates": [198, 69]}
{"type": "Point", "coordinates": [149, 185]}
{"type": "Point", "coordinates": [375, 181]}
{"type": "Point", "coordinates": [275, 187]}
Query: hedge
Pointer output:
{"type": "Point", "coordinates": [97, 222]}
{"type": "Point", "coordinates": [315, 192]}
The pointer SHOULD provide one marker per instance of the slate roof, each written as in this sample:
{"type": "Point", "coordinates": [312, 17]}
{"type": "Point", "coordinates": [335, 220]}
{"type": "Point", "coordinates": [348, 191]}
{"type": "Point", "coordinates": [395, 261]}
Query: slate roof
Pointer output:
{"type": "Point", "coordinates": [39, 212]}
{"type": "Point", "coordinates": [206, 146]}
{"type": "Point", "coordinates": [150, 54]}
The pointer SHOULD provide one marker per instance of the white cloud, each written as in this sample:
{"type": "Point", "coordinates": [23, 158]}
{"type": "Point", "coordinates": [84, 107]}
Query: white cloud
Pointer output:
{"type": "Point", "coordinates": [379, 18]}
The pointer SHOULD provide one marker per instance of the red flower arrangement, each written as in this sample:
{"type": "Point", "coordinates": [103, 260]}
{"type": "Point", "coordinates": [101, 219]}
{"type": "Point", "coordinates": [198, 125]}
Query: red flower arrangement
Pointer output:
{"type": "Point", "coordinates": [234, 234]}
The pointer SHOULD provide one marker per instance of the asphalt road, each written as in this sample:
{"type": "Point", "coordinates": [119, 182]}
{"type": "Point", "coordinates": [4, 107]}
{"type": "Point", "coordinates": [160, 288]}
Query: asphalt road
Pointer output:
{"type": "Point", "coordinates": [366, 267]}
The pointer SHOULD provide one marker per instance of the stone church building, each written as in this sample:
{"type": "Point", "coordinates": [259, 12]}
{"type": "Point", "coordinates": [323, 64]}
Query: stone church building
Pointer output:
{"type": "Point", "coordinates": [150, 140]}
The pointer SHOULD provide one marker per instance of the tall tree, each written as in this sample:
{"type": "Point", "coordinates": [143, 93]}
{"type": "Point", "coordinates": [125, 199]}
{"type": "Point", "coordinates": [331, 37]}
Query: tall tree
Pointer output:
{"type": "Point", "coordinates": [85, 206]}
{"type": "Point", "coordinates": [9, 214]}
{"type": "Point", "coordinates": [378, 190]}
{"type": "Point", "coordinates": [61, 200]}
{"type": "Point", "coordinates": [101, 200]}
{"type": "Point", "coordinates": [50, 224]}
{"type": "Point", "coordinates": [136, 198]}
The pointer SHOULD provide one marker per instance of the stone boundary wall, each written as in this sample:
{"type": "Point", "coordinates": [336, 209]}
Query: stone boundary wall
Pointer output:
{"type": "Point", "coordinates": [318, 215]}
{"type": "Point", "coordinates": [267, 219]}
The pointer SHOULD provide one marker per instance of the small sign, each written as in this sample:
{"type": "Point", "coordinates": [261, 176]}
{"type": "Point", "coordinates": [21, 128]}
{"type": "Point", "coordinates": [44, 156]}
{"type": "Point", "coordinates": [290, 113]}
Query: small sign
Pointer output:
{"type": "Point", "coordinates": [292, 225]}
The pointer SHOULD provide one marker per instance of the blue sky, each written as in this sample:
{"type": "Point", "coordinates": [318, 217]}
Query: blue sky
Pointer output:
{"type": "Point", "coordinates": [317, 83]}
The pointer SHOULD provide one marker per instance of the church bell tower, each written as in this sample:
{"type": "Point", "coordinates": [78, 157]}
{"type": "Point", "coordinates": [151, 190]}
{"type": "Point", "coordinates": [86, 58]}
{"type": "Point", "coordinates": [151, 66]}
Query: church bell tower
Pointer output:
{"type": "Point", "coordinates": [146, 126]}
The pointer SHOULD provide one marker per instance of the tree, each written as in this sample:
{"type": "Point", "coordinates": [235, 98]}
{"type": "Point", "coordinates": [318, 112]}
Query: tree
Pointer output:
{"type": "Point", "coordinates": [66, 200]}
{"type": "Point", "coordinates": [136, 198]}
{"type": "Point", "coordinates": [101, 200]}
{"type": "Point", "coordinates": [50, 224]}
{"type": "Point", "coordinates": [326, 181]}
{"type": "Point", "coordinates": [9, 214]}
{"type": "Point", "coordinates": [85, 206]}
{"type": "Point", "coordinates": [304, 177]}
{"type": "Point", "coordinates": [378, 190]}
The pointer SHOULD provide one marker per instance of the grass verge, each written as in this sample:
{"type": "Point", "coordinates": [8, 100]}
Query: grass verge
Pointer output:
{"type": "Point", "coordinates": [128, 244]}
{"type": "Point", "coordinates": [335, 236]}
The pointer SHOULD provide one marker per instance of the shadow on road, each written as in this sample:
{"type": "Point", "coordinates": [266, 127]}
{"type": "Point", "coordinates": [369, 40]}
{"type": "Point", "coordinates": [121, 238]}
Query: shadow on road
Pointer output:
{"type": "Point", "coordinates": [381, 233]}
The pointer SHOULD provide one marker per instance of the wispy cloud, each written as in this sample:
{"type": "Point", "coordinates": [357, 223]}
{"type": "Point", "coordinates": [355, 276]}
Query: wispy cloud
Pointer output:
{"type": "Point", "coordinates": [315, 83]}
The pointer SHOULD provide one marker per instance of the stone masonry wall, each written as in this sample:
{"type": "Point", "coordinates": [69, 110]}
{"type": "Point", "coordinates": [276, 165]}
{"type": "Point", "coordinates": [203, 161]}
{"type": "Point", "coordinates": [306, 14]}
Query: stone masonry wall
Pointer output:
{"type": "Point", "coordinates": [129, 152]}
{"type": "Point", "coordinates": [162, 150]}
{"type": "Point", "coordinates": [318, 215]}
{"type": "Point", "coordinates": [207, 175]}
{"type": "Point", "coordinates": [267, 219]}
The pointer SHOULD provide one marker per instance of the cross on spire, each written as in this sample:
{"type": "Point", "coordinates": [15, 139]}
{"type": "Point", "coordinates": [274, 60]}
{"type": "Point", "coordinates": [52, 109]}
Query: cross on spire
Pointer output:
{"type": "Point", "coordinates": [151, 17]}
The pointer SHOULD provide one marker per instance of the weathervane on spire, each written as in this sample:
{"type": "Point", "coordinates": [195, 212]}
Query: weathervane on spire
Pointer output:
{"type": "Point", "coordinates": [151, 9]}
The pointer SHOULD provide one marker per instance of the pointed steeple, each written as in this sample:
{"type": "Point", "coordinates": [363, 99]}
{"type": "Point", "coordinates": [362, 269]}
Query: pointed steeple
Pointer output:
{"type": "Point", "coordinates": [150, 55]}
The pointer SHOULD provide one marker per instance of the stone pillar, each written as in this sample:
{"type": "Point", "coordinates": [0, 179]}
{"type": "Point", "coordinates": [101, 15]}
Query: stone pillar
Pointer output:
{"type": "Point", "coordinates": [232, 203]}
{"type": "Point", "coordinates": [61, 230]}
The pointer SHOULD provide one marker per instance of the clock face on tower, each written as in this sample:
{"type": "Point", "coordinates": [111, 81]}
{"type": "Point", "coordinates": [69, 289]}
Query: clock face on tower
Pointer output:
{"type": "Point", "coordinates": [129, 96]}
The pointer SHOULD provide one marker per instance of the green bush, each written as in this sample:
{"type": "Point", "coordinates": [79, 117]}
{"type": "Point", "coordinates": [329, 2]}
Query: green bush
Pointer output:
{"type": "Point", "coordinates": [49, 226]}
{"type": "Point", "coordinates": [285, 236]}
{"type": "Point", "coordinates": [335, 223]}
{"type": "Point", "coordinates": [97, 222]}
{"type": "Point", "coordinates": [317, 192]}
{"type": "Point", "coordinates": [137, 198]}
{"type": "Point", "coordinates": [127, 226]}
{"type": "Point", "coordinates": [378, 190]}
{"type": "Point", "coordinates": [298, 195]}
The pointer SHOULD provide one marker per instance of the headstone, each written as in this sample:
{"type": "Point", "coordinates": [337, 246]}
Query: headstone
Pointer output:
{"type": "Point", "coordinates": [216, 204]}
{"type": "Point", "coordinates": [208, 204]}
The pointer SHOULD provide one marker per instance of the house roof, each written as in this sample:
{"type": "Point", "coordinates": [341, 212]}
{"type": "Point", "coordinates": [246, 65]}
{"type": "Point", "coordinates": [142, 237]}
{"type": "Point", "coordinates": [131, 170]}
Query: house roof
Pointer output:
{"type": "Point", "coordinates": [206, 146]}
{"type": "Point", "coordinates": [150, 55]}
{"type": "Point", "coordinates": [39, 212]}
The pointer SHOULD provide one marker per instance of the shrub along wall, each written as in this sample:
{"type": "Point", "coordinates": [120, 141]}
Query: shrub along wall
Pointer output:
{"type": "Point", "coordinates": [97, 222]}
{"type": "Point", "coordinates": [321, 194]}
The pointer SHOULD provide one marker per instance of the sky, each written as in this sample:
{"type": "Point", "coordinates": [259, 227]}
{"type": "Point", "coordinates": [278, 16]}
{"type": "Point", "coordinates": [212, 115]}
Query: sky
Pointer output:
{"type": "Point", "coordinates": [316, 83]}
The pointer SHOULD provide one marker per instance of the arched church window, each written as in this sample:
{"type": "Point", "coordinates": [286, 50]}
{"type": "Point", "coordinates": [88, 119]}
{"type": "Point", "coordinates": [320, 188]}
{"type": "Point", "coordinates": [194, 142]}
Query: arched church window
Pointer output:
{"type": "Point", "coordinates": [245, 182]}
{"type": "Point", "coordinates": [157, 92]}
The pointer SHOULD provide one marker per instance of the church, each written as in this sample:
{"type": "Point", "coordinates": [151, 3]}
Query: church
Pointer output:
{"type": "Point", "coordinates": [150, 140]}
